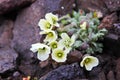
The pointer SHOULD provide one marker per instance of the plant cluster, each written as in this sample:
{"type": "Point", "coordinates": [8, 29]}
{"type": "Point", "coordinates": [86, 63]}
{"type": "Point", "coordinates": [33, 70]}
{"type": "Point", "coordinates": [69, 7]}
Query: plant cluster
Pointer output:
{"type": "Point", "coordinates": [62, 35]}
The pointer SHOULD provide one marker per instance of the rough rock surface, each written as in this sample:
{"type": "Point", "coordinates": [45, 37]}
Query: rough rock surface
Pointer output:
{"type": "Point", "coordinates": [117, 70]}
{"type": "Point", "coordinates": [8, 5]}
{"type": "Point", "coordinates": [74, 56]}
{"type": "Point", "coordinates": [110, 75]}
{"type": "Point", "coordinates": [104, 6]}
{"type": "Point", "coordinates": [108, 21]}
{"type": "Point", "coordinates": [7, 59]}
{"type": "Point", "coordinates": [26, 30]}
{"type": "Point", "coordinates": [93, 5]}
{"type": "Point", "coordinates": [6, 33]}
{"type": "Point", "coordinates": [66, 72]}
{"type": "Point", "coordinates": [113, 5]}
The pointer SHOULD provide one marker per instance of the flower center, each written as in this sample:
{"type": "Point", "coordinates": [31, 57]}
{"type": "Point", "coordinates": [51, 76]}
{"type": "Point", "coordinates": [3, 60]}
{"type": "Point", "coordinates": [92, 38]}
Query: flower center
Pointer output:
{"type": "Point", "coordinates": [54, 45]}
{"type": "Point", "coordinates": [50, 34]}
{"type": "Point", "coordinates": [54, 20]}
{"type": "Point", "coordinates": [67, 42]}
{"type": "Point", "coordinates": [59, 54]}
{"type": "Point", "coordinates": [87, 60]}
{"type": "Point", "coordinates": [48, 26]}
{"type": "Point", "coordinates": [41, 50]}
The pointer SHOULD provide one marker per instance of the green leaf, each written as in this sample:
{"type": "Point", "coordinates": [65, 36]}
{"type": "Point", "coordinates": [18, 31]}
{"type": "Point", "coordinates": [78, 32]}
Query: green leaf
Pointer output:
{"type": "Point", "coordinates": [77, 44]}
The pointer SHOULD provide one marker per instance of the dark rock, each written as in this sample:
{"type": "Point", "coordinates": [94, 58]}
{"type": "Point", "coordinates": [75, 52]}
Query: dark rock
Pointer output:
{"type": "Point", "coordinates": [93, 5]}
{"type": "Point", "coordinates": [110, 76]}
{"type": "Point", "coordinates": [80, 79]}
{"type": "Point", "coordinates": [7, 59]}
{"type": "Point", "coordinates": [117, 70]}
{"type": "Point", "coordinates": [8, 5]}
{"type": "Point", "coordinates": [111, 44]}
{"type": "Point", "coordinates": [100, 76]}
{"type": "Point", "coordinates": [104, 59]}
{"type": "Point", "coordinates": [113, 5]}
{"type": "Point", "coordinates": [65, 72]}
{"type": "Point", "coordinates": [26, 30]}
{"type": "Point", "coordinates": [6, 33]}
{"type": "Point", "coordinates": [106, 63]}
{"type": "Point", "coordinates": [94, 73]}
{"type": "Point", "coordinates": [117, 28]}
{"type": "Point", "coordinates": [108, 21]}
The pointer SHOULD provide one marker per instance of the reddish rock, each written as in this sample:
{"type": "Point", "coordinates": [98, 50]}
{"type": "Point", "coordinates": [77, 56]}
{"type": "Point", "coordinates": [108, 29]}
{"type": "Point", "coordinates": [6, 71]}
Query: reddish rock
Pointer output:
{"type": "Point", "coordinates": [111, 76]}
{"type": "Point", "coordinates": [26, 30]}
{"type": "Point", "coordinates": [8, 5]}
{"type": "Point", "coordinates": [108, 21]}
{"type": "Point", "coordinates": [93, 5]}
{"type": "Point", "coordinates": [44, 63]}
{"type": "Point", "coordinates": [74, 56]}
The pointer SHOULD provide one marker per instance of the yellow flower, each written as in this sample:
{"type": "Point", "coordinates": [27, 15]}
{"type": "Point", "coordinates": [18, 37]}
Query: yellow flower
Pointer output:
{"type": "Point", "coordinates": [83, 25]}
{"type": "Point", "coordinates": [89, 62]}
{"type": "Point", "coordinates": [59, 55]}
{"type": "Point", "coordinates": [45, 25]}
{"type": "Point", "coordinates": [52, 19]}
{"type": "Point", "coordinates": [42, 49]}
{"type": "Point", "coordinates": [54, 44]}
{"type": "Point", "coordinates": [66, 42]}
{"type": "Point", "coordinates": [50, 36]}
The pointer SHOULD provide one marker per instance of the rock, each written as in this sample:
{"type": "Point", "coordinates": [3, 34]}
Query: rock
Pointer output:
{"type": "Point", "coordinates": [110, 76]}
{"type": "Point", "coordinates": [8, 5]}
{"type": "Point", "coordinates": [26, 30]}
{"type": "Point", "coordinates": [7, 59]}
{"type": "Point", "coordinates": [117, 70]}
{"type": "Point", "coordinates": [65, 72]}
{"type": "Point", "coordinates": [108, 21]}
{"type": "Point", "coordinates": [117, 28]}
{"type": "Point", "coordinates": [106, 63]}
{"type": "Point", "coordinates": [74, 56]}
{"type": "Point", "coordinates": [93, 5]}
{"type": "Point", "coordinates": [6, 33]}
{"type": "Point", "coordinates": [111, 43]}
{"type": "Point", "coordinates": [100, 76]}
{"type": "Point", "coordinates": [113, 5]}
{"type": "Point", "coordinates": [94, 73]}
{"type": "Point", "coordinates": [104, 59]}
{"type": "Point", "coordinates": [44, 63]}
{"type": "Point", "coordinates": [112, 36]}
{"type": "Point", "coordinates": [16, 74]}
